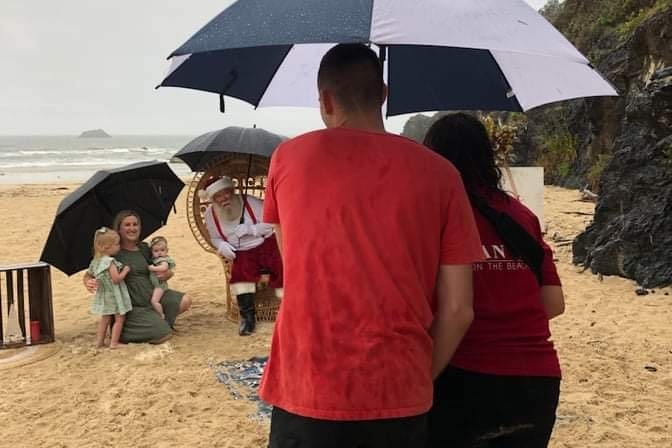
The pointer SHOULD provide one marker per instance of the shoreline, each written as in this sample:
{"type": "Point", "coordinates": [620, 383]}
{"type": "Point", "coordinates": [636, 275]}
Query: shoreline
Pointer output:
{"type": "Point", "coordinates": [71, 176]}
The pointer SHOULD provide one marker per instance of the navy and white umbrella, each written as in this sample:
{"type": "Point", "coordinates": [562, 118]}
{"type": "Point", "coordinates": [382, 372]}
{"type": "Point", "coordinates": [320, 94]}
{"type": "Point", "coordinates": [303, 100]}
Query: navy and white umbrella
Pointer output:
{"type": "Point", "coordinates": [438, 54]}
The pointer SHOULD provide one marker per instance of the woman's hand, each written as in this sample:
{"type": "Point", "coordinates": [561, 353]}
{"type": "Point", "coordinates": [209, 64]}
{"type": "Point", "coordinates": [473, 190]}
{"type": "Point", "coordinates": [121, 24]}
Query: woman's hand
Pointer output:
{"type": "Point", "coordinates": [90, 283]}
{"type": "Point", "coordinates": [164, 275]}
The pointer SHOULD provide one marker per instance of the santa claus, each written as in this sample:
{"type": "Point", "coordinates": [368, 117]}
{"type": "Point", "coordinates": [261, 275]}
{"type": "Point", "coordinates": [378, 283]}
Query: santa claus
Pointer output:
{"type": "Point", "coordinates": [236, 231]}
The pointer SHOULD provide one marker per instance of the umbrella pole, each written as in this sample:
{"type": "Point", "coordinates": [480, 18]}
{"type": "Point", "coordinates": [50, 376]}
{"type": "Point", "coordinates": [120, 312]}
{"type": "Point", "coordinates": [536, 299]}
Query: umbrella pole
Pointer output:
{"type": "Point", "coordinates": [234, 77]}
{"type": "Point", "coordinates": [249, 168]}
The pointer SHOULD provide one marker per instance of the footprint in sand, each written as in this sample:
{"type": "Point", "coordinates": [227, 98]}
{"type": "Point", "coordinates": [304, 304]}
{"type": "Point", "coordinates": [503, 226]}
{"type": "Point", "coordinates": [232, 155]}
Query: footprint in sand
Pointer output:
{"type": "Point", "coordinates": [154, 353]}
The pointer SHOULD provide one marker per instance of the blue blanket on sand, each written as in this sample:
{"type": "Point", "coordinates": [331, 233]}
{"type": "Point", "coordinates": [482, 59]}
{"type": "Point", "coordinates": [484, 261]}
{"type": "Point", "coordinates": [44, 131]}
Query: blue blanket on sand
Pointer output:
{"type": "Point", "coordinates": [241, 379]}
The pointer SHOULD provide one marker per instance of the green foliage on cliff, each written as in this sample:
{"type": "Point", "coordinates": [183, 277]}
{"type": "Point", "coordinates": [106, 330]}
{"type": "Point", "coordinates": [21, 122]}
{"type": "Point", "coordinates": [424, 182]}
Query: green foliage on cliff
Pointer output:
{"type": "Point", "coordinates": [557, 155]}
{"type": "Point", "coordinates": [595, 171]}
{"type": "Point", "coordinates": [667, 152]}
{"type": "Point", "coordinates": [504, 130]}
{"type": "Point", "coordinates": [596, 26]}
{"type": "Point", "coordinates": [636, 18]}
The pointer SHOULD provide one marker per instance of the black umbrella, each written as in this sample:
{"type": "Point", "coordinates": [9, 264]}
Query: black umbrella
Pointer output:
{"type": "Point", "coordinates": [148, 188]}
{"type": "Point", "coordinates": [202, 150]}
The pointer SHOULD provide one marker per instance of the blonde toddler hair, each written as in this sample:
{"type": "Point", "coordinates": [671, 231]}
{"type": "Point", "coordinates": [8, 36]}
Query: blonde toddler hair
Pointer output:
{"type": "Point", "coordinates": [102, 240]}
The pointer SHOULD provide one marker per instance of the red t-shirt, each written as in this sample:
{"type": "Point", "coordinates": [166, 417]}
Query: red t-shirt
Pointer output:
{"type": "Point", "coordinates": [366, 219]}
{"type": "Point", "coordinates": [509, 334]}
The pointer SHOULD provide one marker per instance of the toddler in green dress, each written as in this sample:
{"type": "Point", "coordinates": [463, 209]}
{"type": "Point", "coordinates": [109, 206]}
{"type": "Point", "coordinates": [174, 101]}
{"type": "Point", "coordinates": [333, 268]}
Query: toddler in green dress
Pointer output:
{"type": "Point", "coordinates": [111, 299]}
{"type": "Point", "coordinates": [161, 262]}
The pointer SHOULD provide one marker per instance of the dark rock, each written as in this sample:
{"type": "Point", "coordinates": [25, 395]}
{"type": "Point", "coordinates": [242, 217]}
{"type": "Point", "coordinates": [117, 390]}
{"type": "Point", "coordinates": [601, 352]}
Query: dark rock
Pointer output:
{"type": "Point", "coordinates": [662, 73]}
{"type": "Point", "coordinates": [651, 368]}
{"type": "Point", "coordinates": [641, 292]}
{"type": "Point", "coordinates": [94, 133]}
{"type": "Point", "coordinates": [631, 234]}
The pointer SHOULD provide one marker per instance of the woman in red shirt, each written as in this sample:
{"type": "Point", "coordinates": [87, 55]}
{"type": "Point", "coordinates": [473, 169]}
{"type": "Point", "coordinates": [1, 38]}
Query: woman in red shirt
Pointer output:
{"type": "Point", "coordinates": [502, 385]}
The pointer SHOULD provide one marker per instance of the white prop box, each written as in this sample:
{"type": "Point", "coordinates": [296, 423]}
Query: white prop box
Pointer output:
{"type": "Point", "coordinates": [528, 183]}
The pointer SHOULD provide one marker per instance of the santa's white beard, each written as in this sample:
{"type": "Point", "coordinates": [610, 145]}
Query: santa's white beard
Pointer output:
{"type": "Point", "coordinates": [231, 212]}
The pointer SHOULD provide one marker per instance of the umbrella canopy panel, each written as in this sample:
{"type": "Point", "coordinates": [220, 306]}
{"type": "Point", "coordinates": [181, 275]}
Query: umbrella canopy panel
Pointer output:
{"type": "Point", "coordinates": [204, 149]}
{"type": "Point", "coordinates": [148, 188]}
{"type": "Point", "coordinates": [259, 23]}
{"type": "Point", "coordinates": [510, 25]}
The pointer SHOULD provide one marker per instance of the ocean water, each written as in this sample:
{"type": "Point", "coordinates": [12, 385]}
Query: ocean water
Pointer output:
{"type": "Point", "coordinates": [53, 159]}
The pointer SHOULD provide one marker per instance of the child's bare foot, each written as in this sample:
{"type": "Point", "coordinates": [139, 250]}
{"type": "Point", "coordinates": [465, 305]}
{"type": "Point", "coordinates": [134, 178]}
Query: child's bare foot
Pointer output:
{"type": "Point", "coordinates": [117, 345]}
{"type": "Point", "coordinates": [100, 345]}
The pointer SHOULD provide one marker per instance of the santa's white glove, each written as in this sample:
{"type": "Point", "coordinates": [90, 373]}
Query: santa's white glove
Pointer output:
{"type": "Point", "coordinates": [263, 229]}
{"type": "Point", "coordinates": [226, 250]}
{"type": "Point", "coordinates": [242, 229]}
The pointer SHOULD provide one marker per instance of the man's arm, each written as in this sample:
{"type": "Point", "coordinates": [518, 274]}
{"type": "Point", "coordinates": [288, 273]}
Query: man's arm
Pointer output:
{"type": "Point", "coordinates": [278, 237]}
{"type": "Point", "coordinates": [454, 313]}
{"type": "Point", "coordinates": [553, 300]}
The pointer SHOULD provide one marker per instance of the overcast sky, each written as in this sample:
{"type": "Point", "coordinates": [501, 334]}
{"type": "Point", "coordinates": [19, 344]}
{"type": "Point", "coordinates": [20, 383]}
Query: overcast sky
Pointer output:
{"type": "Point", "coordinates": [72, 65]}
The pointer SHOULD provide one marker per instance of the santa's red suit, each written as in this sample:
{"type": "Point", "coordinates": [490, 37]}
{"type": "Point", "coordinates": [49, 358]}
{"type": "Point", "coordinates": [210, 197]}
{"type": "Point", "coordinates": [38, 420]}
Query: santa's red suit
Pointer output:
{"type": "Point", "coordinates": [238, 235]}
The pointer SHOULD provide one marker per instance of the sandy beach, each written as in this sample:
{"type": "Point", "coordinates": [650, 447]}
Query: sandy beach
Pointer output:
{"type": "Point", "coordinates": [615, 349]}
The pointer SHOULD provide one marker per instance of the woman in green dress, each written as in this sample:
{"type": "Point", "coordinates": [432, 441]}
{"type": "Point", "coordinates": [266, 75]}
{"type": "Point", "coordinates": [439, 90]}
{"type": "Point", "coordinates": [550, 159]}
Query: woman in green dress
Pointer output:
{"type": "Point", "coordinates": [143, 323]}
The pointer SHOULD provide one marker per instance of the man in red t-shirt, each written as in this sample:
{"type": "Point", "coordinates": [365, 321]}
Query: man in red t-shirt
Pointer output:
{"type": "Point", "coordinates": [376, 232]}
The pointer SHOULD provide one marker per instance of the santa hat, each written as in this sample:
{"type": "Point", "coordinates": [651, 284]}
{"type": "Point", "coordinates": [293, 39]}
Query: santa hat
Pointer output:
{"type": "Point", "coordinates": [214, 186]}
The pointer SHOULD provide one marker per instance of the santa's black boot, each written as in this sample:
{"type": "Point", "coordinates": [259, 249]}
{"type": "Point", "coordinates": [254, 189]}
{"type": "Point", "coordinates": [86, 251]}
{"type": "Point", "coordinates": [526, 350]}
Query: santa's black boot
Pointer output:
{"type": "Point", "coordinates": [246, 309]}
{"type": "Point", "coordinates": [252, 318]}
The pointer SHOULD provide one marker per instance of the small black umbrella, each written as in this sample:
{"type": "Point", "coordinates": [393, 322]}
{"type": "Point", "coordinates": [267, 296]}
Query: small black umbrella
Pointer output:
{"type": "Point", "coordinates": [148, 188]}
{"type": "Point", "coordinates": [199, 152]}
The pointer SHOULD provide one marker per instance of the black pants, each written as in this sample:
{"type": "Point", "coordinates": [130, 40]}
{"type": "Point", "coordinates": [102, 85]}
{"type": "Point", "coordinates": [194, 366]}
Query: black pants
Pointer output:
{"type": "Point", "coordinates": [293, 431]}
{"type": "Point", "coordinates": [486, 411]}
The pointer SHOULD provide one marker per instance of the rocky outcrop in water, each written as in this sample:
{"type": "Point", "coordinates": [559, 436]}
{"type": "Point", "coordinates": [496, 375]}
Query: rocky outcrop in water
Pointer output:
{"type": "Point", "coordinates": [94, 133]}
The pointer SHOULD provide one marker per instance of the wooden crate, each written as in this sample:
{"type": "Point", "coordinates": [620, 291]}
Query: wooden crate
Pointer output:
{"type": "Point", "coordinates": [27, 289]}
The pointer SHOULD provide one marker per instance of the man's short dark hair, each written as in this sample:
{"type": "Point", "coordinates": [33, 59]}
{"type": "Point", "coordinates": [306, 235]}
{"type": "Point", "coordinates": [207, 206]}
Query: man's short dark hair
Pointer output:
{"type": "Point", "coordinates": [354, 76]}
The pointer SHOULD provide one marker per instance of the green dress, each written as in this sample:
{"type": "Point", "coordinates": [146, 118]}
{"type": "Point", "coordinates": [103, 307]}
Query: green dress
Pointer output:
{"type": "Point", "coordinates": [110, 298]}
{"type": "Point", "coordinates": [143, 323]}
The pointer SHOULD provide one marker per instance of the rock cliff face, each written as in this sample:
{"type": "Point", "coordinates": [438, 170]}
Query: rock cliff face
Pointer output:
{"type": "Point", "coordinates": [632, 230]}
{"type": "Point", "coordinates": [621, 147]}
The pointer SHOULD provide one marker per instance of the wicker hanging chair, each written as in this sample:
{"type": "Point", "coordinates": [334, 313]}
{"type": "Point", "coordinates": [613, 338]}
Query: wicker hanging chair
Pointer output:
{"type": "Point", "coordinates": [248, 172]}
